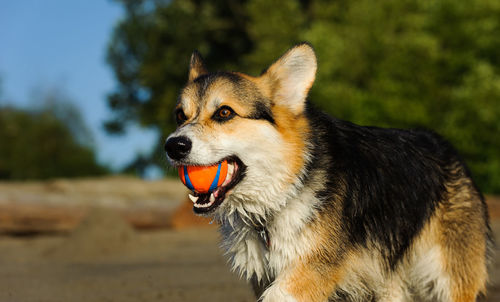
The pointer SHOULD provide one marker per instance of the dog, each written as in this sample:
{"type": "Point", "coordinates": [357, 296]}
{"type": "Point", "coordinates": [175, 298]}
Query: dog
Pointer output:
{"type": "Point", "coordinates": [321, 209]}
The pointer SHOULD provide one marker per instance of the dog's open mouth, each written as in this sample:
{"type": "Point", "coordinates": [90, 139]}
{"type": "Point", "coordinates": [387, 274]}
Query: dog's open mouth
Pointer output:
{"type": "Point", "coordinates": [207, 202]}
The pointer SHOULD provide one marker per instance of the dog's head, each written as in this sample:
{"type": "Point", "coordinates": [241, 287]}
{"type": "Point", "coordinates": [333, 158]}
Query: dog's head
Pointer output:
{"type": "Point", "coordinates": [257, 124]}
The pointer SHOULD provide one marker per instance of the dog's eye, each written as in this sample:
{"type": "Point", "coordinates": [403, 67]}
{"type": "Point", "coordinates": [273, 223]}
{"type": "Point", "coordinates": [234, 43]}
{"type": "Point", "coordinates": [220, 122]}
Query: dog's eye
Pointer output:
{"type": "Point", "coordinates": [180, 117]}
{"type": "Point", "coordinates": [224, 113]}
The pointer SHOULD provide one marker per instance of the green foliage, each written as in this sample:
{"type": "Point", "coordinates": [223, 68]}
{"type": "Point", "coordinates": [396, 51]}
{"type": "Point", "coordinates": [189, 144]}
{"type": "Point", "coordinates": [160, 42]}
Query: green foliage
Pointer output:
{"type": "Point", "coordinates": [38, 145]}
{"type": "Point", "coordinates": [391, 63]}
{"type": "Point", "coordinates": [57, 103]}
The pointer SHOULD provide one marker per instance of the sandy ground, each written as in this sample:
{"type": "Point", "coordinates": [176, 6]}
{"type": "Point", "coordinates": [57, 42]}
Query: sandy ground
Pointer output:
{"type": "Point", "coordinates": [104, 259]}
{"type": "Point", "coordinates": [117, 265]}
{"type": "Point", "coordinates": [126, 266]}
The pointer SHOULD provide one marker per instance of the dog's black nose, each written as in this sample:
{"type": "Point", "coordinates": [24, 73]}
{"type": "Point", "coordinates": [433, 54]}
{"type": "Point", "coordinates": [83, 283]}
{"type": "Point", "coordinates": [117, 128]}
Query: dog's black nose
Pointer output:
{"type": "Point", "coordinates": [178, 147]}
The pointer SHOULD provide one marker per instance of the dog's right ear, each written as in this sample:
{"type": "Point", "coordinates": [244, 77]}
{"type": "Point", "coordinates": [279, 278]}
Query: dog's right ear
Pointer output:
{"type": "Point", "coordinates": [291, 76]}
{"type": "Point", "coordinates": [196, 66]}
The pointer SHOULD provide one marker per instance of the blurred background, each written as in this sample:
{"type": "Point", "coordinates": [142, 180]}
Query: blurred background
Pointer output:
{"type": "Point", "coordinates": [86, 96]}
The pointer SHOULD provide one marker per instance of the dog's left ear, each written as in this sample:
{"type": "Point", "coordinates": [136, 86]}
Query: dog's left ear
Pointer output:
{"type": "Point", "coordinates": [196, 66]}
{"type": "Point", "coordinates": [291, 77]}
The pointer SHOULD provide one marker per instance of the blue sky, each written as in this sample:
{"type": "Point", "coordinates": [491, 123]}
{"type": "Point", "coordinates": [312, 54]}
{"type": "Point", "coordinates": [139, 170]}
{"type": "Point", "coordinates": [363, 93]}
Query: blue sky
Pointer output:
{"type": "Point", "coordinates": [60, 44]}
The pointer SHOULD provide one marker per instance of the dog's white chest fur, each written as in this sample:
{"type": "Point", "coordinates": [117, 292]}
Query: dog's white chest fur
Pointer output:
{"type": "Point", "coordinates": [289, 237]}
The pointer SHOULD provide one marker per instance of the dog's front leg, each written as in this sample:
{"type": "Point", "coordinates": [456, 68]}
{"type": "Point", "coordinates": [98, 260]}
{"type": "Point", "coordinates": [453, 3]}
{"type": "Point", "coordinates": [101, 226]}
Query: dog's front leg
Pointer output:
{"type": "Point", "coordinates": [277, 292]}
{"type": "Point", "coordinates": [306, 282]}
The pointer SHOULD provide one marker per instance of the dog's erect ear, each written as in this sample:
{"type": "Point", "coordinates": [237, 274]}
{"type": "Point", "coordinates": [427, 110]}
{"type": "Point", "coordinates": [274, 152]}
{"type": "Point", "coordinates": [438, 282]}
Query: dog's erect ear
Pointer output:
{"type": "Point", "coordinates": [291, 77]}
{"type": "Point", "coordinates": [196, 66]}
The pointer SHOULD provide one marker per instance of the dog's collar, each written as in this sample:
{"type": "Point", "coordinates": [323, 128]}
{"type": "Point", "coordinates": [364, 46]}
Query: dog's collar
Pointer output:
{"type": "Point", "coordinates": [264, 235]}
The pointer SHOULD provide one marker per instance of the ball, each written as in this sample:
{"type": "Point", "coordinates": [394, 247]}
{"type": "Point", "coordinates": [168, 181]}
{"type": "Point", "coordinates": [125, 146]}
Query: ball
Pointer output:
{"type": "Point", "coordinates": [203, 179]}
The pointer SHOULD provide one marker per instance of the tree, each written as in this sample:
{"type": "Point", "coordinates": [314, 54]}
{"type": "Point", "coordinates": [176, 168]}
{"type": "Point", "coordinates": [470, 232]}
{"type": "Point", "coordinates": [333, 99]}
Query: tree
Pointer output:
{"type": "Point", "coordinates": [47, 142]}
{"type": "Point", "coordinates": [56, 102]}
{"type": "Point", "coordinates": [387, 63]}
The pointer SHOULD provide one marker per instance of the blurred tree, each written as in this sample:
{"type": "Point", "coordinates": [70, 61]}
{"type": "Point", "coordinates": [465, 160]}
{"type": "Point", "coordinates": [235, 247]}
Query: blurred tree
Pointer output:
{"type": "Point", "coordinates": [57, 102]}
{"type": "Point", "coordinates": [138, 166]}
{"type": "Point", "coordinates": [390, 63]}
{"type": "Point", "coordinates": [1, 90]}
{"type": "Point", "coordinates": [46, 142]}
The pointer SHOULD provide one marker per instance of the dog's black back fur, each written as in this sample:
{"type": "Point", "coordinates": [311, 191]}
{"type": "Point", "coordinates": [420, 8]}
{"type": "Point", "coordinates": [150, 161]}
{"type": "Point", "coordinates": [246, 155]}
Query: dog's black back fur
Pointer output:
{"type": "Point", "coordinates": [390, 180]}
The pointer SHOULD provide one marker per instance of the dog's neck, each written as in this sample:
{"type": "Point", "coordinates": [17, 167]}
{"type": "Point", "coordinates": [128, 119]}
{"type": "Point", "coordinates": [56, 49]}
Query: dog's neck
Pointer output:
{"type": "Point", "coordinates": [262, 242]}
{"type": "Point", "coordinates": [264, 250]}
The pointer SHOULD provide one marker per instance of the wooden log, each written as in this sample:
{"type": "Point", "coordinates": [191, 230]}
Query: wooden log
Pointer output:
{"type": "Point", "coordinates": [16, 218]}
{"type": "Point", "coordinates": [32, 218]}
{"type": "Point", "coordinates": [21, 219]}
{"type": "Point", "coordinates": [60, 205]}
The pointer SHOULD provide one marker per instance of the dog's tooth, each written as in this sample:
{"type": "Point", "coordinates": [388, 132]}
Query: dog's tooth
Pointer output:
{"type": "Point", "coordinates": [194, 199]}
{"type": "Point", "coordinates": [229, 176]}
{"type": "Point", "coordinates": [212, 197]}
{"type": "Point", "coordinates": [228, 179]}
{"type": "Point", "coordinates": [230, 168]}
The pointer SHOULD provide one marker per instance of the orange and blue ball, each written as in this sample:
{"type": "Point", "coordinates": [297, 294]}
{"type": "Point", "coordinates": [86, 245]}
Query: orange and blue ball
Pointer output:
{"type": "Point", "coordinates": [203, 179]}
